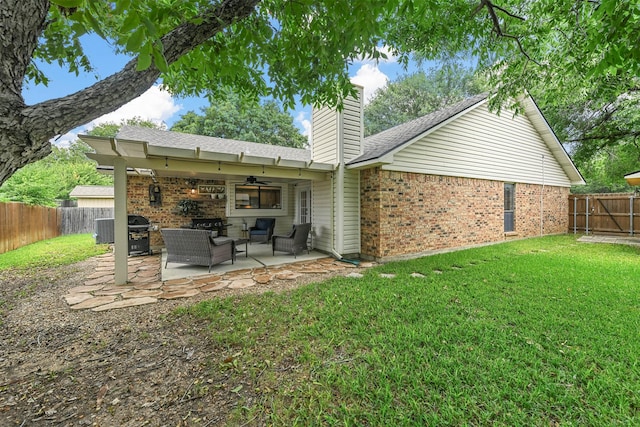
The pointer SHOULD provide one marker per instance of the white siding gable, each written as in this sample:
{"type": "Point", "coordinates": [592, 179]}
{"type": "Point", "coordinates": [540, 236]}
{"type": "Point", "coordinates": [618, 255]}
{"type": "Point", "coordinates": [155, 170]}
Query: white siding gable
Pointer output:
{"type": "Point", "coordinates": [484, 145]}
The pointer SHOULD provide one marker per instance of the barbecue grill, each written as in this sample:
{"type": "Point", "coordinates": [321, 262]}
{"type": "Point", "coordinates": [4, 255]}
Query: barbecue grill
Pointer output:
{"type": "Point", "coordinates": [139, 227]}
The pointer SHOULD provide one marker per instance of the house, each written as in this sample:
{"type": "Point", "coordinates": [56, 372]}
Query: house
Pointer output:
{"type": "Point", "coordinates": [458, 177]}
{"type": "Point", "coordinates": [93, 196]}
{"type": "Point", "coordinates": [633, 178]}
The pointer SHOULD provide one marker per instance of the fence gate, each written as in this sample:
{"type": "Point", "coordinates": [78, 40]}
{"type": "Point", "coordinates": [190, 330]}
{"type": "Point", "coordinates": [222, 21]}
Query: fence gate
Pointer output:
{"type": "Point", "coordinates": [604, 213]}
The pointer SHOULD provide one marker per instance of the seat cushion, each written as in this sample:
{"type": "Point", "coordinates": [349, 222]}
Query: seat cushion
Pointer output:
{"type": "Point", "coordinates": [263, 224]}
{"type": "Point", "coordinates": [259, 232]}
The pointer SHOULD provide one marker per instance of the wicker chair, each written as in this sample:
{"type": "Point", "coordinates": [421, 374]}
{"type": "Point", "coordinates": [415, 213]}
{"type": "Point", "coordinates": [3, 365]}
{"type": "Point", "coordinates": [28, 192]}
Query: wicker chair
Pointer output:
{"type": "Point", "coordinates": [188, 246]}
{"type": "Point", "coordinates": [263, 230]}
{"type": "Point", "coordinates": [294, 242]}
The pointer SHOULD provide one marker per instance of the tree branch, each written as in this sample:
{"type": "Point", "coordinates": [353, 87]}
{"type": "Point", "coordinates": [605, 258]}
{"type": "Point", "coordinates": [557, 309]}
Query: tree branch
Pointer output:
{"type": "Point", "coordinates": [491, 9]}
{"type": "Point", "coordinates": [58, 116]}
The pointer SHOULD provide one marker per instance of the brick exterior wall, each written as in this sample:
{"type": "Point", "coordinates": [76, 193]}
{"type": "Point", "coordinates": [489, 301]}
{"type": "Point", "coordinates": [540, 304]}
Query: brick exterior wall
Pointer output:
{"type": "Point", "coordinates": [173, 190]}
{"type": "Point", "coordinates": [405, 214]}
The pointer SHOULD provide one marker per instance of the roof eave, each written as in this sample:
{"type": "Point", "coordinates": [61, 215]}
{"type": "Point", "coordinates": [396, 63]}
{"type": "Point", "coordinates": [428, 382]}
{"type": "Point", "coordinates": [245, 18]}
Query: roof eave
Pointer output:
{"type": "Point", "coordinates": [371, 163]}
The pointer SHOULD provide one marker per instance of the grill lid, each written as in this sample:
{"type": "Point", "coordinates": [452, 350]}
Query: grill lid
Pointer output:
{"type": "Point", "coordinates": [137, 220]}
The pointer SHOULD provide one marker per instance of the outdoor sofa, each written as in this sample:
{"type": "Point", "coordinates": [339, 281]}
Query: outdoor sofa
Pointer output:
{"type": "Point", "coordinates": [187, 246]}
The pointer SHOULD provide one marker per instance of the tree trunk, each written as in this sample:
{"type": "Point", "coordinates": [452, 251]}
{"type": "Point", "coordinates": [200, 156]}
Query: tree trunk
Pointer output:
{"type": "Point", "coordinates": [25, 131]}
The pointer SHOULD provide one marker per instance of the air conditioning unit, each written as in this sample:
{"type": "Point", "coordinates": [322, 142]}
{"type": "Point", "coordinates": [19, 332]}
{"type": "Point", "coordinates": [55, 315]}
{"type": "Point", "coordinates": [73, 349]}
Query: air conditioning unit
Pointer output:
{"type": "Point", "coordinates": [104, 230]}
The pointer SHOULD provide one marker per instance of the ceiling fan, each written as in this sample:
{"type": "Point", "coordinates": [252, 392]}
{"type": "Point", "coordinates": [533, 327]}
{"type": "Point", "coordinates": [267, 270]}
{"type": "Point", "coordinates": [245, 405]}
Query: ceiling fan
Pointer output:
{"type": "Point", "coordinates": [252, 180]}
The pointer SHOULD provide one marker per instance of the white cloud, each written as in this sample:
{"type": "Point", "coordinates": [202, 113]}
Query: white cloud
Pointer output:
{"type": "Point", "coordinates": [371, 78]}
{"type": "Point", "coordinates": [66, 139]}
{"type": "Point", "coordinates": [303, 122]}
{"type": "Point", "coordinates": [155, 105]}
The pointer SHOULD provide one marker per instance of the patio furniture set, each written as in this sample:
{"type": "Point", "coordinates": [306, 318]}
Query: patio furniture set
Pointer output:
{"type": "Point", "coordinates": [202, 243]}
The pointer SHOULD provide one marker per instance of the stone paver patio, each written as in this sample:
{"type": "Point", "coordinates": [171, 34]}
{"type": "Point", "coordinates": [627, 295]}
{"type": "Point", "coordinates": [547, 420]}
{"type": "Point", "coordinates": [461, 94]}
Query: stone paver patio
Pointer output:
{"type": "Point", "coordinates": [145, 286]}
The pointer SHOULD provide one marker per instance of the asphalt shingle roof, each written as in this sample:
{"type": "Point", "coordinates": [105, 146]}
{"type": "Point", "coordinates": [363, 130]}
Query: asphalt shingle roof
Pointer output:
{"type": "Point", "coordinates": [92, 191]}
{"type": "Point", "coordinates": [376, 146]}
{"type": "Point", "coordinates": [163, 138]}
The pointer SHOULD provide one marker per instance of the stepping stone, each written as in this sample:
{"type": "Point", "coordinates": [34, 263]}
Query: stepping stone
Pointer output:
{"type": "Point", "coordinates": [355, 275]}
{"type": "Point", "coordinates": [93, 302]}
{"type": "Point", "coordinates": [79, 289]}
{"type": "Point", "coordinates": [419, 275]}
{"type": "Point", "coordinates": [125, 303]}
{"type": "Point", "coordinates": [148, 286]}
{"type": "Point", "coordinates": [437, 271]}
{"type": "Point", "coordinates": [147, 273]}
{"type": "Point", "coordinates": [177, 282]}
{"type": "Point", "coordinates": [387, 275]}
{"type": "Point", "coordinates": [235, 274]}
{"type": "Point", "coordinates": [214, 286]}
{"type": "Point", "coordinates": [139, 279]}
{"type": "Point", "coordinates": [179, 294]}
{"type": "Point", "coordinates": [366, 264]}
{"type": "Point", "coordinates": [112, 291]}
{"type": "Point", "coordinates": [290, 275]}
{"type": "Point", "coordinates": [206, 280]}
{"type": "Point", "coordinates": [263, 279]}
{"type": "Point", "coordinates": [174, 288]}
{"type": "Point", "coordinates": [242, 284]}
{"type": "Point", "coordinates": [73, 299]}
{"type": "Point", "coordinates": [139, 293]}
{"type": "Point", "coordinates": [104, 279]}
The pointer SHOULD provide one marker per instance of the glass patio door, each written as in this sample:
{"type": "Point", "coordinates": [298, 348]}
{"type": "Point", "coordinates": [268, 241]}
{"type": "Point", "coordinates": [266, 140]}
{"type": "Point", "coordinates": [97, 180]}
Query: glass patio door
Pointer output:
{"type": "Point", "coordinates": [303, 214]}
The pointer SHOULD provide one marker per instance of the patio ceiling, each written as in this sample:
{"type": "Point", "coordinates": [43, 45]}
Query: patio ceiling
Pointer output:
{"type": "Point", "coordinates": [144, 158]}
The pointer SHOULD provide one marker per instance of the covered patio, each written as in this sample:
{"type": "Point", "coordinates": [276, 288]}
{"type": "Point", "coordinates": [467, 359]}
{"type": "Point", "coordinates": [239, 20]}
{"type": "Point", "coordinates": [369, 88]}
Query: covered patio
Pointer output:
{"type": "Point", "coordinates": [257, 256]}
{"type": "Point", "coordinates": [234, 181]}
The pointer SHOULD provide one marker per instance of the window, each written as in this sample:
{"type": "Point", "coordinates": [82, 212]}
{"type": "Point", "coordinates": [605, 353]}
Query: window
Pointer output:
{"type": "Point", "coordinates": [509, 207]}
{"type": "Point", "coordinates": [258, 197]}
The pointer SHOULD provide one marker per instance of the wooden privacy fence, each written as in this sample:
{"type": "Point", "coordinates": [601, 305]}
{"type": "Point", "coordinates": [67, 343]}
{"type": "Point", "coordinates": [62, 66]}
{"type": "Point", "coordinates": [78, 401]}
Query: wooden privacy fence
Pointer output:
{"type": "Point", "coordinates": [604, 213]}
{"type": "Point", "coordinates": [22, 224]}
{"type": "Point", "coordinates": [81, 220]}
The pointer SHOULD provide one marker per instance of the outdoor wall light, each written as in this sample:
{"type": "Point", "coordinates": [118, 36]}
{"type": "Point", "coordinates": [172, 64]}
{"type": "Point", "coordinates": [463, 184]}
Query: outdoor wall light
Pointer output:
{"type": "Point", "coordinates": [192, 183]}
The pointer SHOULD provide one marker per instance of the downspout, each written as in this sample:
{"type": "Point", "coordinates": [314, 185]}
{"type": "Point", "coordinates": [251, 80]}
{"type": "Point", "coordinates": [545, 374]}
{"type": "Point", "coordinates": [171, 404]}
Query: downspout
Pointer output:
{"type": "Point", "coordinates": [333, 218]}
{"type": "Point", "coordinates": [542, 201]}
{"type": "Point", "coordinates": [338, 190]}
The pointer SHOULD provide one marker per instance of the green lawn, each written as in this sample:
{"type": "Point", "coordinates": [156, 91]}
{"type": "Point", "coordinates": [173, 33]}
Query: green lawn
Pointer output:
{"type": "Point", "coordinates": [54, 252]}
{"type": "Point", "coordinates": [536, 332]}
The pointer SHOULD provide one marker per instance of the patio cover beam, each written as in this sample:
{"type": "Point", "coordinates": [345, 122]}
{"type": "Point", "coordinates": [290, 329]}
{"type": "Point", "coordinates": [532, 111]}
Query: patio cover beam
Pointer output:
{"type": "Point", "coordinates": [296, 170]}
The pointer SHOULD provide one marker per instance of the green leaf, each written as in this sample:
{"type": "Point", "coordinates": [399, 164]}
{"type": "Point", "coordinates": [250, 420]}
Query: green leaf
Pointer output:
{"type": "Point", "coordinates": [144, 62]}
{"type": "Point", "coordinates": [160, 60]}
{"type": "Point", "coordinates": [135, 40]}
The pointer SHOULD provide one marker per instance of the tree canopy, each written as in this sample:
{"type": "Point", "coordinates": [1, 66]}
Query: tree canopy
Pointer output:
{"type": "Point", "coordinates": [298, 50]}
{"type": "Point", "coordinates": [51, 179]}
{"type": "Point", "coordinates": [415, 95]}
{"type": "Point", "coordinates": [234, 118]}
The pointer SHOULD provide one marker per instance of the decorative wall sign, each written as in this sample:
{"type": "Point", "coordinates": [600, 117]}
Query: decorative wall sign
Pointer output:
{"type": "Point", "coordinates": [211, 189]}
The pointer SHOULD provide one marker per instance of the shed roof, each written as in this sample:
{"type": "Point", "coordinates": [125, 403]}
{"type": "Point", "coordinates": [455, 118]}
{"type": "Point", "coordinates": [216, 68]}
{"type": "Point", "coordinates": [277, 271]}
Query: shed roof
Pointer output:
{"type": "Point", "coordinates": [92, 192]}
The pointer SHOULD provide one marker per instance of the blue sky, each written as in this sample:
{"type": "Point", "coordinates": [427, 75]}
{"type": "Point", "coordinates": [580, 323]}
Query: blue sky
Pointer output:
{"type": "Point", "coordinates": [158, 105]}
